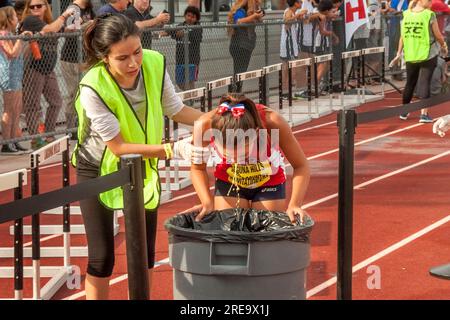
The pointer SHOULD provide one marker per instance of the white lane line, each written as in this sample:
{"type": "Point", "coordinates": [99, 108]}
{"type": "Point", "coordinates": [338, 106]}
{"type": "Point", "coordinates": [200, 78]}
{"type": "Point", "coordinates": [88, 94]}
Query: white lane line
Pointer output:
{"type": "Point", "coordinates": [314, 127]}
{"type": "Point", "coordinates": [310, 204]}
{"type": "Point", "coordinates": [44, 239]}
{"type": "Point", "coordinates": [317, 155]}
{"type": "Point", "coordinates": [380, 255]}
{"type": "Point", "coordinates": [115, 280]}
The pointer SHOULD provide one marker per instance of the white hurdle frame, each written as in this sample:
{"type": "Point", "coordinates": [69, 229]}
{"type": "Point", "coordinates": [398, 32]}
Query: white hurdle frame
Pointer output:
{"type": "Point", "coordinates": [323, 59]}
{"type": "Point", "coordinates": [370, 51]}
{"type": "Point", "coordinates": [250, 75]}
{"type": "Point", "coordinates": [345, 56]}
{"type": "Point", "coordinates": [307, 62]}
{"type": "Point", "coordinates": [15, 180]}
{"type": "Point", "coordinates": [216, 84]}
{"type": "Point", "coordinates": [181, 178]}
{"type": "Point", "coordinates": [58, 274]}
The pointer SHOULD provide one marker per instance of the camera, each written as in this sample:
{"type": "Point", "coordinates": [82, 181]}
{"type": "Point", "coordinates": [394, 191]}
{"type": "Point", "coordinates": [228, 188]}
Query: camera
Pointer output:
{"type": "Point", "coordinates": [262, 11]}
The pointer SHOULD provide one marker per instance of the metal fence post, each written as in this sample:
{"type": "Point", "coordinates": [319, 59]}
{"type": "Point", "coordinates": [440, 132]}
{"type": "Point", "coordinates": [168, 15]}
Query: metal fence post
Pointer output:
{"type": "Point", "coordinates": [171, 9]}
{"type": "Point", "coordinates": [347, 125]}
{"type": "Point", "coordinates": [136, 242]}
{"type": "Point", "coordinates": [186, 61]}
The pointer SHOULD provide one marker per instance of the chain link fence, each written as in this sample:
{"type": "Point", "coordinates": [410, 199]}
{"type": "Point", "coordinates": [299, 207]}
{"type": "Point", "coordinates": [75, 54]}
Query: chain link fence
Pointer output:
{"type": "Point", "coordinates": [194, 55]}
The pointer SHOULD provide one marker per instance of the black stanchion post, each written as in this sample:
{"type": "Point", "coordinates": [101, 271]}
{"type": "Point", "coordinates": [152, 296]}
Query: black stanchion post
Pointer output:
{"type": "Point", "coordinates": [35, 230]}
{"type": "Point", "coordinates": [347, 124]}
{"type": "Point", "coordinates": [66, 207]}
{"type": "Point", "coordinates": [136, 242]}
{"type": "Point", "coordinates": [280, 89]}
{"type": "Point", "coordinates": [18, 246]}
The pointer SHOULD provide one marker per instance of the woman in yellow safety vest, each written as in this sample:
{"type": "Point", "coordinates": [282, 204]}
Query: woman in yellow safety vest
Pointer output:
{"type": "Point", "coordinates": [121, 104]}
{"type": "Point", "coordinates": [419, 40]}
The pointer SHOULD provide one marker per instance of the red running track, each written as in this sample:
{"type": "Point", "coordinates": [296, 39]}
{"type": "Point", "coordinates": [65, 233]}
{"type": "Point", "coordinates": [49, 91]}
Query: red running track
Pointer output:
{"type": "Point", "coordinates": [401, 213]}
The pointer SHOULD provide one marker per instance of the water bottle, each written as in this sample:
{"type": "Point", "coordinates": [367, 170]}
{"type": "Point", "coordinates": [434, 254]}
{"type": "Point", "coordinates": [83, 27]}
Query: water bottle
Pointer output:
{"type": "Point", "coordinates": [35, 50]}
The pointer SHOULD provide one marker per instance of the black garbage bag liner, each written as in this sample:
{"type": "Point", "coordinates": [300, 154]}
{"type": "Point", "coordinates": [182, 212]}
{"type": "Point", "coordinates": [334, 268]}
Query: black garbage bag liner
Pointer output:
{"type": "Point", "coordinates": [237, 226]}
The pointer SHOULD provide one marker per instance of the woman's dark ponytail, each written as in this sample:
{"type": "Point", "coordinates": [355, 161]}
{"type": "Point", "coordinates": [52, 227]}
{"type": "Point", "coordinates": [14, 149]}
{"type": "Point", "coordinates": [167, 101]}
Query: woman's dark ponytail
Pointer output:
{"type": "Point", "coordinates": [104, 31]}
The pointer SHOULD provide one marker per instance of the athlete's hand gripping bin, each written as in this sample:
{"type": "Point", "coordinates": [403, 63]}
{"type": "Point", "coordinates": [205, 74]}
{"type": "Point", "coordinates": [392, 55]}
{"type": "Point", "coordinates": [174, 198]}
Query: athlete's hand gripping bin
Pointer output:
{"type": "Point", "coordinates": [239, 254]}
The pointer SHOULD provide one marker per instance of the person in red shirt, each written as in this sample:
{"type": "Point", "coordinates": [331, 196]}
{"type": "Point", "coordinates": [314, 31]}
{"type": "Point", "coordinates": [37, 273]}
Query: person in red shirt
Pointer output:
{"type": "Point", "coordinates": [249, 144]}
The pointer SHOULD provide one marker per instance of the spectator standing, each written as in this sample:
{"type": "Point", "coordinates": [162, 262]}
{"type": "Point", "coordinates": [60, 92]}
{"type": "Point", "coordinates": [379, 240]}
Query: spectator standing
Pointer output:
{"type": "Point", "coordinates": [375, 36]}
{"type": "Point", "coordinates": [395, 9]}
{"type": "Point", "coordinates": [139, 12]}
{"type": "Point", "coordinates": [195, 37]}
{"type": "Point", "coordinates": [243, 38]}
{"type": "Point", "coordinates": [39, 76]}
{"type": "Point", "coordinates": [306, 34]}
{"type": "Point", "coordinates": [11, 62]}
{"type": "Point", "coordinates": [72, 56]}
{"type": "Point", "coordinates": [289, 49]}
{"type": "Point", "coordinates": [421, 49]}
{"type": "Point", "coordinates": [324, 38]}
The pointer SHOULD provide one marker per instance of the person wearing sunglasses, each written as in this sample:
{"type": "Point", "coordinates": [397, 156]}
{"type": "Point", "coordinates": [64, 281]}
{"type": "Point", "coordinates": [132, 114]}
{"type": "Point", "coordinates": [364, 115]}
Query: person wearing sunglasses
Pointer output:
{"type": "Point", "coordinates": [39, 75]}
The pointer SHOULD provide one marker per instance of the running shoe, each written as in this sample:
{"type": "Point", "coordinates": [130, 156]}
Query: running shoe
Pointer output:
{"type": "Point", "coordinates": [404, 116]}
{"type": "Point", "coordinates": [425, 118]}
{"type": "Point", "coordinates": [285, 96]}
{"type": "Point", "coordinates": [10, 150]}
{"type": "Point", "coordinates": [302, 94]}
{"type": "Point", "coordinates": [21, 148]}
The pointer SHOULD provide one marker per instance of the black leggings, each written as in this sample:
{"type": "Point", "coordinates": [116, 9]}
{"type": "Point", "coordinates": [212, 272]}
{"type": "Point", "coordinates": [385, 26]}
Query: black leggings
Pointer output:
{"type": "Point", "coordinates": [241, 61]}
{"type": "Point", "coordinates": [99, 224]}
{"type": "Point", "coordinates": [426, 69]}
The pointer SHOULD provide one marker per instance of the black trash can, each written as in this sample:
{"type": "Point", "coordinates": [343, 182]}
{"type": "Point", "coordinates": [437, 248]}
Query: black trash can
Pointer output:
{"type": "Point", "coordinates": [239, 254]}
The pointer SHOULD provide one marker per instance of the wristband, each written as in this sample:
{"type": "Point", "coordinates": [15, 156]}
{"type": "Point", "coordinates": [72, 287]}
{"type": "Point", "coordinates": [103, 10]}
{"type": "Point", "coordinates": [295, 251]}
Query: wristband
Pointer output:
{"type": "Point", "coordinates": [168, 150]}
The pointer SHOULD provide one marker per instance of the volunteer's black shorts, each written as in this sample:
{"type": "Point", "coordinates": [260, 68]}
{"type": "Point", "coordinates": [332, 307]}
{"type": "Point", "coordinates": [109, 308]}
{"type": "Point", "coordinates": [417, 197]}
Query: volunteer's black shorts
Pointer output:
{"type": "Point", "coordinates": [264, 193]}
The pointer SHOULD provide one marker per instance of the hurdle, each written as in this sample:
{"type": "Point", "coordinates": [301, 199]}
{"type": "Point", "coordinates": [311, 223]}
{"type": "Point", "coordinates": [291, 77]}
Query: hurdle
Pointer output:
{"type": "Point", "coordinates": [44, 154]}
{"type": "Point", "coordinates": [216, 84]}
{"type": "Point", "coordinates": [251, 75]}
{"type": "Point", "coordinates": [58, 274]}
{"type": "Point", "coordinates": [295, 64]}
{"type": "Point", "coordinates": [15, 180]}
{"type": "Point", "coordinates": [181, 178]}
{"type": "Point", "coordinates": [371, 51]}
{"type": "Point", "coordinates": [323, 59]}
{"type": "Point", "coordinates": [356, 54]}
{"type": "Point", "coordinates": [266, 72]}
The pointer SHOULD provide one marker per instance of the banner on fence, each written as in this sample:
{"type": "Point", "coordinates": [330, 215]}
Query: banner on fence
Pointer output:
{"type": "Point", "coordinates": [355, 17]}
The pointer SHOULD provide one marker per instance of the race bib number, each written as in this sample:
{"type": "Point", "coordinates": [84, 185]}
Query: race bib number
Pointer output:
{"type": "Point", "coordinates": [250, 176]}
